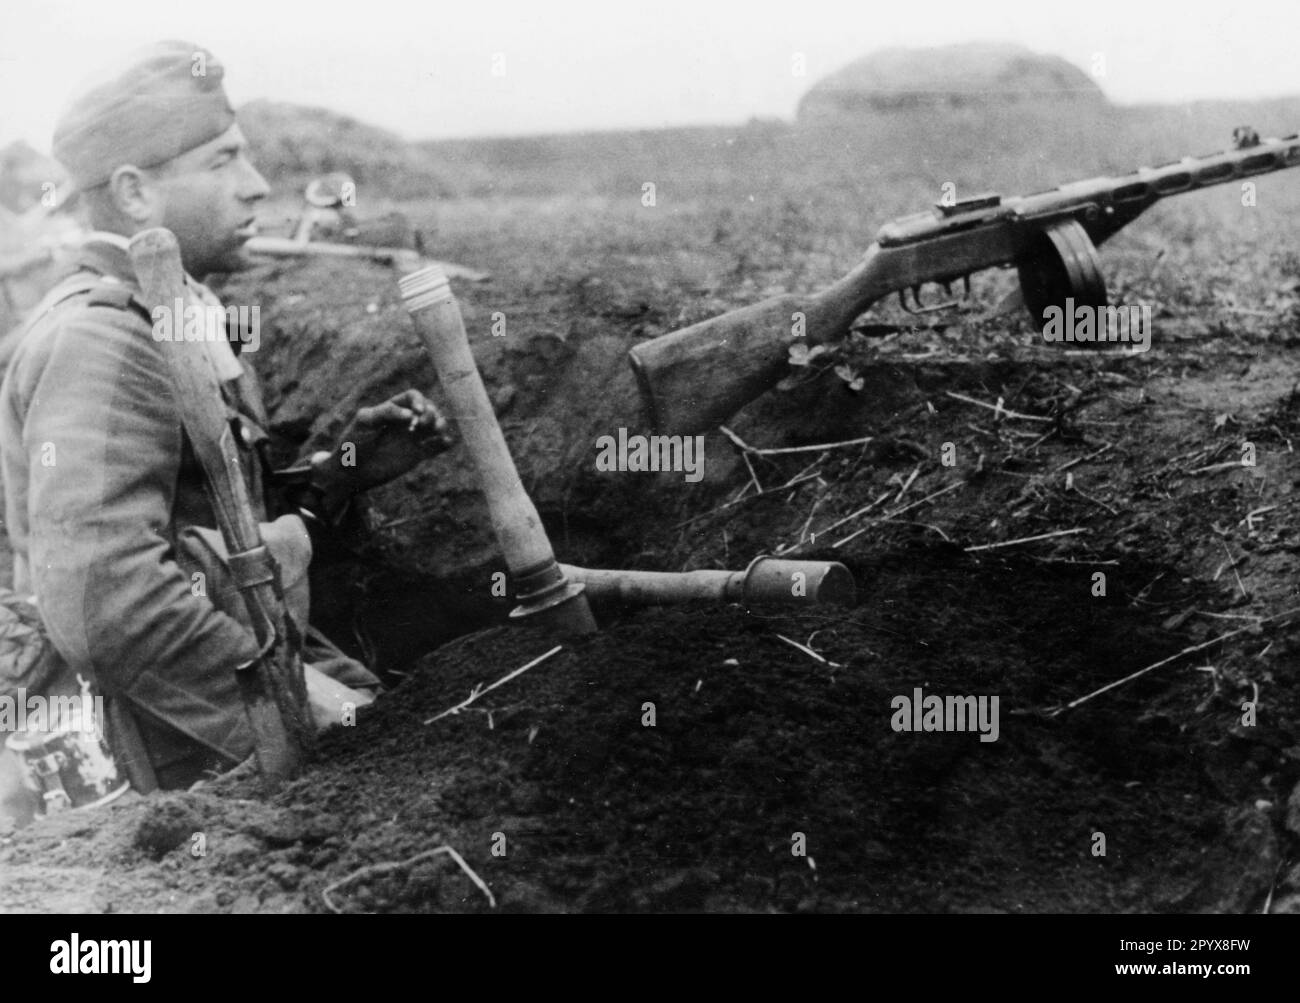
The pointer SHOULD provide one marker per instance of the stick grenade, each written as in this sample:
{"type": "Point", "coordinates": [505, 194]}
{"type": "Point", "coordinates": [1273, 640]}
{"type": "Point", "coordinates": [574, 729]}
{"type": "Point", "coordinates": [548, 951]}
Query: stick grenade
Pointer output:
{"type": "Point", "coordinates": [767, 579]}
{"type": "Point", "coordinates": [541, 586]}
{"type": "Point", "coordinates": [273, 688]}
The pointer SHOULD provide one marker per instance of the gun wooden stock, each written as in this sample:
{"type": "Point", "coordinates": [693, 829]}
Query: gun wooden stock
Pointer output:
{"type": "Point", "coordinates": [694, 379]}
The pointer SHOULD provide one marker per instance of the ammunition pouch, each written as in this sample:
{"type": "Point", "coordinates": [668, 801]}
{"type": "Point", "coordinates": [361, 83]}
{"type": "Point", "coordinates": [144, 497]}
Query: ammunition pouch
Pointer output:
{"type": "Point", "coordinates": [288, 550]}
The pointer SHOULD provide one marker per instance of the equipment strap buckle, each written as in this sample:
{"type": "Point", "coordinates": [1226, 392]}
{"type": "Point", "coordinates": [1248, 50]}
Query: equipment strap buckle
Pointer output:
{"type": "Point", "coordinates": [251, 568]}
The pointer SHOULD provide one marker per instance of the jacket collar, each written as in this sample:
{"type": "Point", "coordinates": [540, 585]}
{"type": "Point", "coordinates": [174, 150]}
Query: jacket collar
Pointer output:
{"type": "Point", "coordinates": [106, 254]}
{"type": "Point", "coordinates": [109, 255]}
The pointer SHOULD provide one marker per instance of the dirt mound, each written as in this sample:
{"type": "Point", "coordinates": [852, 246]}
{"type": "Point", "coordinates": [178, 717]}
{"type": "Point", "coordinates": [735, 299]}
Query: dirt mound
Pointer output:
{"type": "Point", "coordinates": [972, 75]}
{"type": "Point", "coordinates": [292, 144]}
{"type": "Point", "coordinates": [691, 759]}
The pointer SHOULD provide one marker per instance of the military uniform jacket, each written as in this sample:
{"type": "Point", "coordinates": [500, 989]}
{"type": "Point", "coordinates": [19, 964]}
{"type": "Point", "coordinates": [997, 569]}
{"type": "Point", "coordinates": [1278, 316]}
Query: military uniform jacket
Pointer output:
{"type": "Point", "coordinates": [100, 481]}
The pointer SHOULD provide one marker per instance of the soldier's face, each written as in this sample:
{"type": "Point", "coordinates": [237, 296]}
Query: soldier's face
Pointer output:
{"type": "Point", "coordinates": [208, 198]}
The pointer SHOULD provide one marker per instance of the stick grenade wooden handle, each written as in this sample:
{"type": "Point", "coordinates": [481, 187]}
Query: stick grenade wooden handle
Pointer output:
{"type": "Point", "coordinates": [540, 584]}
{"type": "Point", "coordinates": [767, 579]}
{"type": "Point", "coordinates": [273, 689]}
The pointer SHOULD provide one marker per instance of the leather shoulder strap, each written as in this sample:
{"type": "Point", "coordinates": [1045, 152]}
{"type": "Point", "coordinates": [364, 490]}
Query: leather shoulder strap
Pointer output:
{"type": "Point", "coordinates": [102, 292]}
{"type": "Point", "coordinates": [119, 297]}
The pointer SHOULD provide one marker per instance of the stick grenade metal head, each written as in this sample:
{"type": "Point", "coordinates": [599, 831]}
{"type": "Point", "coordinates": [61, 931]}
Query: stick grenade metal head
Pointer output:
{"type": "Point", "coordinates": [774, 579]}
{"type": "Point", "coordinates": [539, 583]}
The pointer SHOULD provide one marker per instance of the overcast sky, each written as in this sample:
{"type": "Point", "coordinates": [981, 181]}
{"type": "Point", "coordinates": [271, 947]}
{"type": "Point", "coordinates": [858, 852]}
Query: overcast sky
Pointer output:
{"type": "Point", "coordinates": [434, 69]}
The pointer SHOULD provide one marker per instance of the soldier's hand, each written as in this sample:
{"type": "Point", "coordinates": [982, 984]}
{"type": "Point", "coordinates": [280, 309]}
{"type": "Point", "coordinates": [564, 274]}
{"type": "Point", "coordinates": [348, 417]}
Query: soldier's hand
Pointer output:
{"type": "Point", "coordinates": [387, 440]}
{"type": "Point", "coordinates": [329, 700]}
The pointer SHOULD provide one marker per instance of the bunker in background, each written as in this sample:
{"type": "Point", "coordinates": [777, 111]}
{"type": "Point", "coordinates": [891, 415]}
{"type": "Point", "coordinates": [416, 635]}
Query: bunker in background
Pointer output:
{"type": "Point", "coordinates": [975, 76]}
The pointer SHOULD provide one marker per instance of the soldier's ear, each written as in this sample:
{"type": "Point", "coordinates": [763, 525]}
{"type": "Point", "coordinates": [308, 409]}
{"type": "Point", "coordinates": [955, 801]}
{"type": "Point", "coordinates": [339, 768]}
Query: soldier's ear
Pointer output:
{"type": "Point", "coordinates": [134, 196]}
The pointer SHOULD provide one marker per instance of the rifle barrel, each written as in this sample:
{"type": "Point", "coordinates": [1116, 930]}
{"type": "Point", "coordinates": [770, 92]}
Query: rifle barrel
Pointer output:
{"type": "Point", "coordinates": [287, 247]}
{"type": "Point", "coordinates": [1124, 197]}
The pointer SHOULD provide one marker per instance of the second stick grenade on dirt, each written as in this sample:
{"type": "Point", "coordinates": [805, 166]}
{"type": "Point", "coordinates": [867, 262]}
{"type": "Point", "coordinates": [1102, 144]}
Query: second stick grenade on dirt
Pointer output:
{"type": "Point", "coordinates": [542, 587]}
{"type": "Point", "coordinates": [767, 579]}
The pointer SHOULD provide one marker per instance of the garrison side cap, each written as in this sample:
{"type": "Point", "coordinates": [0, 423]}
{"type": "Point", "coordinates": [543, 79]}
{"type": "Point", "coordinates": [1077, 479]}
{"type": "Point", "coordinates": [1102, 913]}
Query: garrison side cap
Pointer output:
{"type": "Point", "coordinates": [153, 106]}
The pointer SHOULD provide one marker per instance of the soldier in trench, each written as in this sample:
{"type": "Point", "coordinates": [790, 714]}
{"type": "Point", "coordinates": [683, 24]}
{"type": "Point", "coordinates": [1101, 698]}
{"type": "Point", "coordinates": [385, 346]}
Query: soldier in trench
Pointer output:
{"type": "Point", "coordinates": [105, 503]}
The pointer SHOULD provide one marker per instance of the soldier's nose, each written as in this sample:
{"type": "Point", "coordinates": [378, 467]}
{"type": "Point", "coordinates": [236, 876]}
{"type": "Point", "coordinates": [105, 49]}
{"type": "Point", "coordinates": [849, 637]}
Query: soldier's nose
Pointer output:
{"type": "Point", "coordinates": [255, 187]}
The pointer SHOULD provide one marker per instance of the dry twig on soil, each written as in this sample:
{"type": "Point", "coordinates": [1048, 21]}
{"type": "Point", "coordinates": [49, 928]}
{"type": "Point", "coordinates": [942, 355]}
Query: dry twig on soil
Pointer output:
{"type": "Point", "coordinates": [1027, 539]}
{"type": "Point", "coordinates": [848, 518]}
{"type": "Point", "coordinates": [390, 866]}
{"type": "Point", "coordinates": [1226, 465]}
{"type": "Point", "coordinates": [1193, 649]}
{"type": "Point", "coordinates": [998, 409]}
{"type": "Point", "coordinates": [795, 482]}
{"type": "Point", "coordinates": [478, 692]}
{"type": "Point", "coordinates": [896, 513]}
{"type": "Point", "coordinates": [1071, 486]}
{"type": "Point", "coordinates": [815, 448]}
{"type": "Point", "coordinates": [1232, 563]}
{"type": "Point", "coordinates": [907, 484]}
{"type": "Point", "coordinates": [1066, 560]}
{"type": "Point", "coordinates": [809, 652]}
{"type": "Point", "coordinates": [1084, 459]}
{"type": "Point", "coordinates": [803, 532]}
